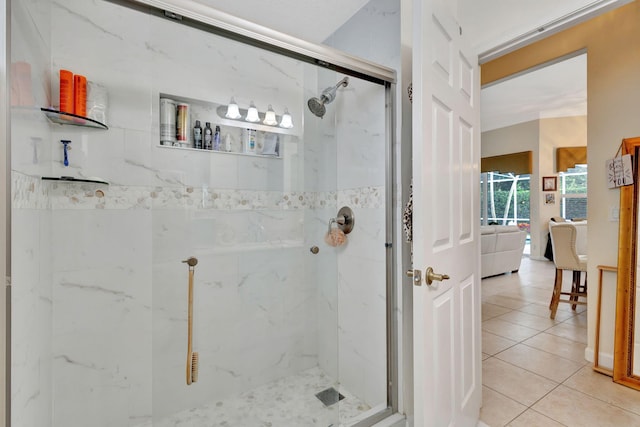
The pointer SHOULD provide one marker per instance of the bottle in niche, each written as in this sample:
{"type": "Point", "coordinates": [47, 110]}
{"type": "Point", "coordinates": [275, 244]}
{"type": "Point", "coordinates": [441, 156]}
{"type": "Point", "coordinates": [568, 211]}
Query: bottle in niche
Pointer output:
{"type": "Point", "coordinates": [227, 143]}
{"type": "Point", "coordinates": [182, 125]}
{"type": "Point", "coordinates": [197, 135]}
{"type": "Point", "coordinates": [216, 139]}
{"type": "Point", "coordinates": [250, 141]}
{"type": "Point", "coordinates": [208, 137]}
{"type": "Point", "coordinates": [168, 114]}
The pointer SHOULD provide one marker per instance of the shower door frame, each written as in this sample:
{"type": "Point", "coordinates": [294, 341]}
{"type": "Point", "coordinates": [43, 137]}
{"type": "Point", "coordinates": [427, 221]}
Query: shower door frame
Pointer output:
{"type": "Point", "coordinates": [5, 218]}
{"type": "Point", "coordinates": [202, 17]}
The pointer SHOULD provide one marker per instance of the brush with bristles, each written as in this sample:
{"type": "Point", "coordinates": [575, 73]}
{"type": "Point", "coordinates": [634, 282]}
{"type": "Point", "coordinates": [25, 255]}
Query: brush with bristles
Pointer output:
{"type": "Point", "coordinates": [194, 366]}
{"type": "Point", "coordinates": [192, 357]}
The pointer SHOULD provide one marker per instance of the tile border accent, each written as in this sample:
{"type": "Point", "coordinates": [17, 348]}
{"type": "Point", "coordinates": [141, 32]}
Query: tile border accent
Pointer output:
{"type": "Point", "coordinates": [30, 192]}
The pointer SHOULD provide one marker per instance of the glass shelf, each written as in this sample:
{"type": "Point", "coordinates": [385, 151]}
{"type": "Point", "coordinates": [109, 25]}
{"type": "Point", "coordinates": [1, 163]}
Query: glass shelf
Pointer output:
{"type": "Point", "coordinates": [235, 153]}
{"type": "Point", "coordinates": [71, 179]}
{"type": "Point", "coordinates": [63, 118]}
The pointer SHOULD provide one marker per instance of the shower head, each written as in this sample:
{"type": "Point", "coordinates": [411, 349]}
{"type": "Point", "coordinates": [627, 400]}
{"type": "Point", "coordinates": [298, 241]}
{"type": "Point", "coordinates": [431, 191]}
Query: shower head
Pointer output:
{"type": "Point", "coordinates": [317, 105]}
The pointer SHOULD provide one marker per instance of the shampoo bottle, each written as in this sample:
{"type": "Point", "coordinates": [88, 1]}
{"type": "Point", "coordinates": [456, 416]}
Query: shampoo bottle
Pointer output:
{"type": "Point", "coordinates": [250, 141]}
{"type": "Point", "coordinates": [197, 135]}
{"type": "Point", "coordinates": [216, 139]}
{"type": "Point", "coordinates": [208, 137]}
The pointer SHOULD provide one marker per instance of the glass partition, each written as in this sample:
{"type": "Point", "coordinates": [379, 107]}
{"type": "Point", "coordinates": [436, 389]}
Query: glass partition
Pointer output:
{"type": "Point", "coordinates": [287, 313]}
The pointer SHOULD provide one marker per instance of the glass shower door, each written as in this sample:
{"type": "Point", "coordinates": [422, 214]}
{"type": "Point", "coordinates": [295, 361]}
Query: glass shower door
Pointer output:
{"type": "Point", "coordinates": [288, 329]}
{"type": "Point", "coordinates": [256, 303]}
{"type": "Point", "coordinates": [264, 305]}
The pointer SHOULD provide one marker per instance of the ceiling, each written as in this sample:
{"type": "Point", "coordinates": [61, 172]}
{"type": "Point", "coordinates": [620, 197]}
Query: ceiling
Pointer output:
{"type": "Point", "coordinates": [551, 92]}
{"type": "Point", "coordinates": [313, 21]}
{"type": "Point", "coordinates": [489, 23]}
{"type": "Point", "coordinates": [559, 90]}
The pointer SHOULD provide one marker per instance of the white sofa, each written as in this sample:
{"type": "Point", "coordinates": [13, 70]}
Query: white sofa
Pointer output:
{"type": "Point", "coordinates": [501, 249]}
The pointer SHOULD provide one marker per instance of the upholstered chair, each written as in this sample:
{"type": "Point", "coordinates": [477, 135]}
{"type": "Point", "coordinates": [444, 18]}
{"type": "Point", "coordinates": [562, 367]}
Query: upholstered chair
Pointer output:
{"type": "Point", "coordinates": [565, 256]}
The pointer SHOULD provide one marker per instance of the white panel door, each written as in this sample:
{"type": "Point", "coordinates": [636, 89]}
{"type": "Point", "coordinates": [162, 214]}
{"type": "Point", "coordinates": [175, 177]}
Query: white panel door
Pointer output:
{"type": "Point", "coordinates": [446, 220]}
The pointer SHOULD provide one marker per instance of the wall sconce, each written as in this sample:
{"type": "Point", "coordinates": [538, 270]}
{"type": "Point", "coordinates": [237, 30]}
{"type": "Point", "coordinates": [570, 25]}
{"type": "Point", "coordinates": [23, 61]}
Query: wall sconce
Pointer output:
{"type": "Point", "coordinates": [286, 121]}
{"type": "Point", "coordinates": [270, 117]}
{"type": "Point", "coordinates": [252, 114]}
{"type": "Point", "coordinates": [233, 111]}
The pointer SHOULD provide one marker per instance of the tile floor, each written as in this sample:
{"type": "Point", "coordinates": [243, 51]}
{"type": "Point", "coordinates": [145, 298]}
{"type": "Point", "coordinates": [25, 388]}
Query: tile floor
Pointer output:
{"type": "Point", "coordinates": [286, 402]}
{"type": "Point", "coordinates": [533, 372]}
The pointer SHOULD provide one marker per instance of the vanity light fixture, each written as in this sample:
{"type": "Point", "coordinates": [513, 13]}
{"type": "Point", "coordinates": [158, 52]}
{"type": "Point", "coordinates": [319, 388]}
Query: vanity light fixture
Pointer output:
{"type": "Point", "coordinates": [270, 117]}
{"type": "Point", "coordinates": [233, 111]}
{"type": "Point", "coordinates": [252, 114]}
{"type": "Point", "coordinates": [286, 121]}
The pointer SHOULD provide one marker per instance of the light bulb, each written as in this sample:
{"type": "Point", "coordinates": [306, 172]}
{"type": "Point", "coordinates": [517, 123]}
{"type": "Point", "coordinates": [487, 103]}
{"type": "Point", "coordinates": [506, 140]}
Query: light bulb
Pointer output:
{"type": "Point", "coordinates": [252, 114]}
{"type": "Point", "coordinates": [286, 121]}
{"type": "Point", "coordinates": [270, 117]}
{"type": "Point", "coordinates": [233, 112]}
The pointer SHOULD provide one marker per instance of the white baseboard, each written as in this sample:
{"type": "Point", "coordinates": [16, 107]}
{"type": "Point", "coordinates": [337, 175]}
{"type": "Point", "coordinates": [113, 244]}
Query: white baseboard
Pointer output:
{"type": "Point", "coordinates": [605, 360]}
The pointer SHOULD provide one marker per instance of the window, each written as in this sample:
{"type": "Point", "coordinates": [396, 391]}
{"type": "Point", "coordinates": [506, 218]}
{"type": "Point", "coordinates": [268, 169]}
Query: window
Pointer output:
{"type": "Point", "coordinates": [573, 193]}
{"type": "Point", "coordinates": [505, 199]}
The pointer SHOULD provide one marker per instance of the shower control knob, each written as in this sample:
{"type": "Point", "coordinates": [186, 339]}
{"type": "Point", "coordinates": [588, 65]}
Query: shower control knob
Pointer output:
{"type": "Point", "coordinates": [314, 249]}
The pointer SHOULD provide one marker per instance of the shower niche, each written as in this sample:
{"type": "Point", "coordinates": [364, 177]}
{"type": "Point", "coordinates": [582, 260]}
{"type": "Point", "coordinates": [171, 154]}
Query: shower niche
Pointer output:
{"type": "Point", "coordinates": [270, 139]}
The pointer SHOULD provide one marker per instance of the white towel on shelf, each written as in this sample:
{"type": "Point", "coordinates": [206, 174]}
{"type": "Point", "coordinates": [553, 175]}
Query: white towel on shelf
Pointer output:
{"type": "Point", "coordinates": [271, 146]}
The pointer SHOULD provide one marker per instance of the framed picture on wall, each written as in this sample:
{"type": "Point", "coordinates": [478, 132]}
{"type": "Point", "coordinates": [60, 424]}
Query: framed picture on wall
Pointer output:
{"type": "Point", "coordinates": [549, 183]}
{"type": "Point", "coordinates": [550, 199]}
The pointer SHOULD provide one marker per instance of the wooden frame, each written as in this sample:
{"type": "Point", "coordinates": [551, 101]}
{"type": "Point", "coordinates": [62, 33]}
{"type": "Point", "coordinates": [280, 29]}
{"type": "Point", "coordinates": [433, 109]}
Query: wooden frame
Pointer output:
{"type": "Point", "coordinates": [549, 183]}
{"type": "Point", "coordinates": [626, 283]}
{"type": "Point", "coordinates": [596, 346]}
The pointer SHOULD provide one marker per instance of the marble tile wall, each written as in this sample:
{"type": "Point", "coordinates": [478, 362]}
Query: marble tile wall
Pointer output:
{"type": "Point", "coordinates": [32, 313]}
{"type": "Point", "coordinates": [31, 318]}
{"type": "Point", "coordinates": [102, 316]}
{"type": "Point", "coordinates": [111, 283]}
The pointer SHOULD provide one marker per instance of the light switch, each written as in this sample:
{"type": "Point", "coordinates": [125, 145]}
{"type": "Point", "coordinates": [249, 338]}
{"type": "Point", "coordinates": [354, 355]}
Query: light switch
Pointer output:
{"type": "Point", "coordinates": [614, 213]}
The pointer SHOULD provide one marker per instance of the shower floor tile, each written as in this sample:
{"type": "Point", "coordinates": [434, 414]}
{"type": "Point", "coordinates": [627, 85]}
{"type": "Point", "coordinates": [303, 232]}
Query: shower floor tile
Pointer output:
{"type": "Point", "coordinates": [287, 402]}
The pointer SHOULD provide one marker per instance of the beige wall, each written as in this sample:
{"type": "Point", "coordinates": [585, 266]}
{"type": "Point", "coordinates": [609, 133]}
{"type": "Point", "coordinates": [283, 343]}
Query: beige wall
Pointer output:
{"type": "Point", "coordinates": [542, 137]}
{"type": "Point", "coordinates": [514, 139]}
{"type": "Point", "coordinates": [612, 43]}
{"type": "Point", "coordinates": [554, 133]}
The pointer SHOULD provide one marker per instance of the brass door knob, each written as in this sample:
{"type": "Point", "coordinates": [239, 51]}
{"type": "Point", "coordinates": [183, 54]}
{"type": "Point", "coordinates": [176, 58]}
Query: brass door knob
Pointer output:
{"type": "Point", "coordinates": [430, 276]}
